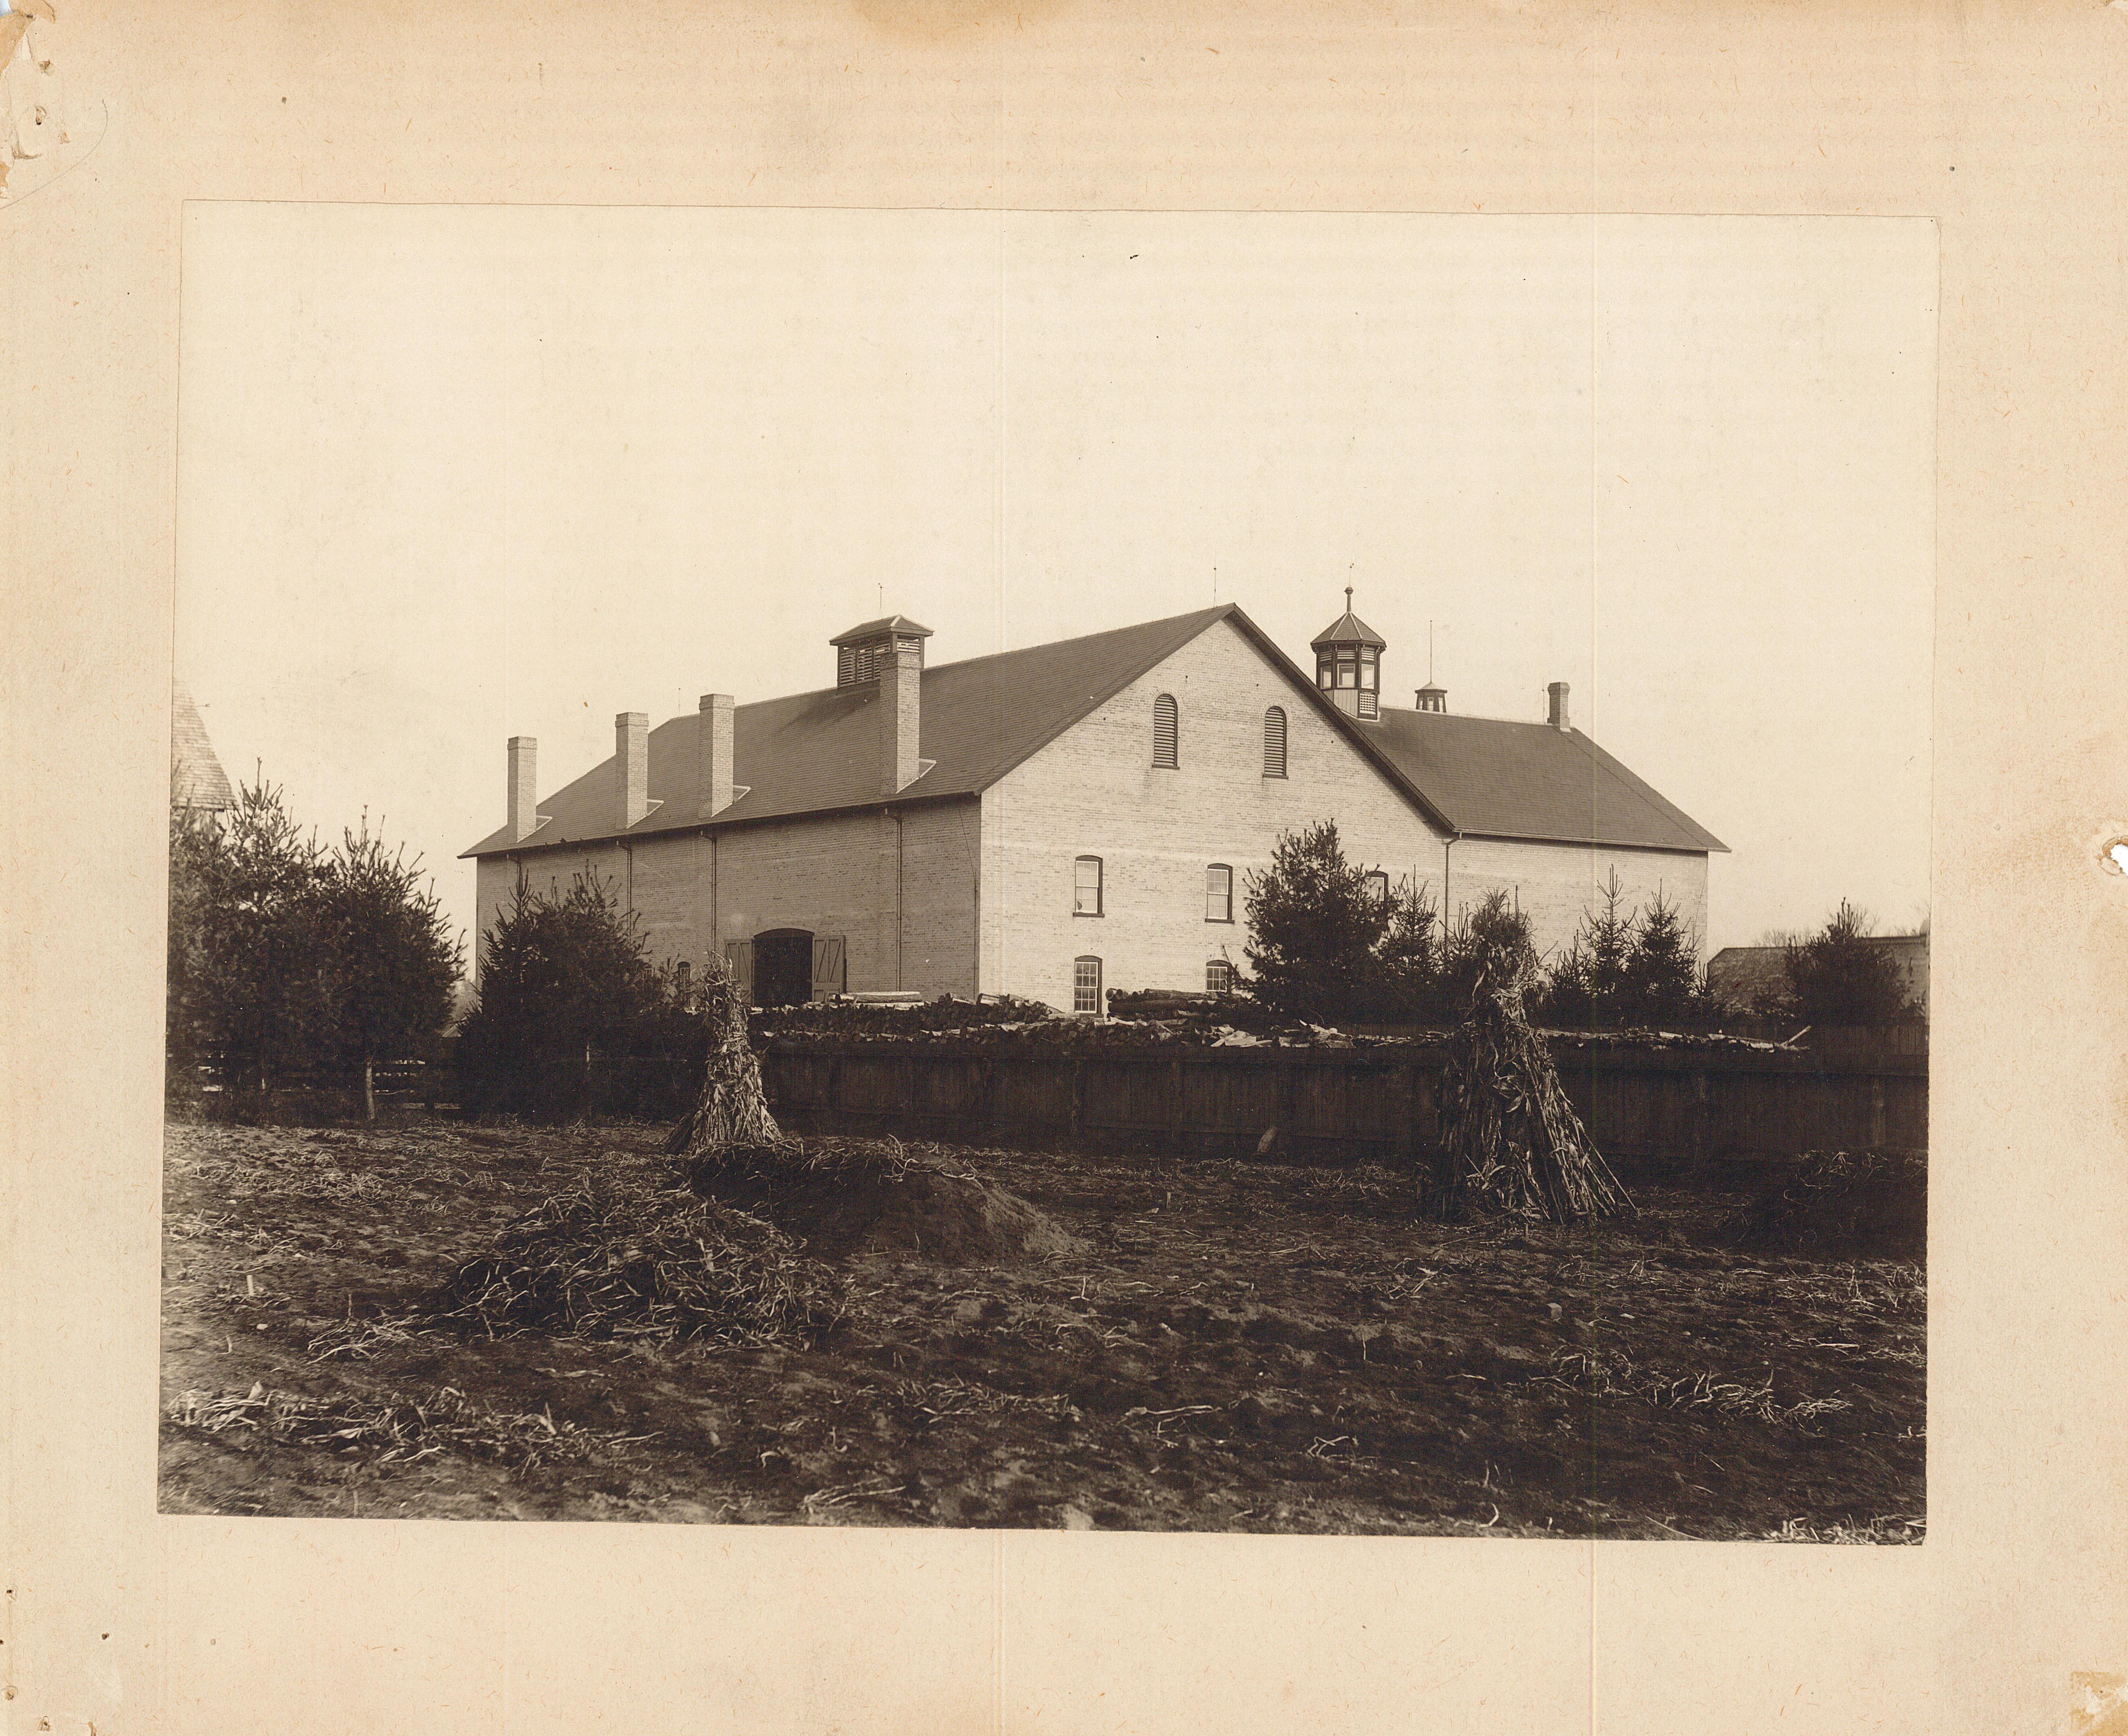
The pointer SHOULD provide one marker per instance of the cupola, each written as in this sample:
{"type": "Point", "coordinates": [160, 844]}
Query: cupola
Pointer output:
{"type": "Point", "coordinates": [1348, 663]}
{"type": "Point", "coordinates": [859, 652]}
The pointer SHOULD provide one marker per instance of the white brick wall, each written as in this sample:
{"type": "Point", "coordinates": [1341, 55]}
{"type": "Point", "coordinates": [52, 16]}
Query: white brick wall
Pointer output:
{"type": "Point", "coordinates": [834, 875]}
{"type": "Point", "coordinates": [1095, 790]}
{"type": "Point", "coordinates": [1556, 885]}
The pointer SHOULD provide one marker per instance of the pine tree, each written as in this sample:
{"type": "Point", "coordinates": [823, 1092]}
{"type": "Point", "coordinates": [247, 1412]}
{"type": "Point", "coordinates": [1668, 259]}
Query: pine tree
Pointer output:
{"type": "Point", "coordinates": [1662, 983]}
{"type": "Point", "coordinates": [1314, 929]}
{"type": "Point", "coordinates": [564, 980]}
{"type": "Point", "coordinates": [249, 976]}
{"type": "Point", "coordinates": [1491, 943]}
{"type": "Point", "coordinates": [1837, 976]}
{"type": "Point", "coordinates": [1407, 958]}
{"type": "Point", "coordinates": [390, 960]}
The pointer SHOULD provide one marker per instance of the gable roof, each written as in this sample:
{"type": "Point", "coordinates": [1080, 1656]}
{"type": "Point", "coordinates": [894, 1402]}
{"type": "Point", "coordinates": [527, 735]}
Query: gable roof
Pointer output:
{"type": "Point", "coordinates": [879, 629]}
{"type": "Point", "coordinates": [817, 753]}
{"type": "Point", "coordinates": [1497, 779]}
{"type": "Point", "coordinates": [197, 778]}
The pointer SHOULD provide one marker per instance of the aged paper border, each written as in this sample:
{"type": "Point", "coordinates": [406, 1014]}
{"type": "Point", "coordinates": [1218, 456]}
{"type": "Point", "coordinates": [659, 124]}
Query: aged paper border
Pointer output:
{"type": "Point", "coordinates": [2003, 122]}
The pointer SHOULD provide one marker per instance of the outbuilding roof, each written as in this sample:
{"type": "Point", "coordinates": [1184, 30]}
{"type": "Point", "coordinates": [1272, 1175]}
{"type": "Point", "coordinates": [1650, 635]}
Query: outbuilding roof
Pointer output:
{"type": "Point", "coordinates": [816, 753]}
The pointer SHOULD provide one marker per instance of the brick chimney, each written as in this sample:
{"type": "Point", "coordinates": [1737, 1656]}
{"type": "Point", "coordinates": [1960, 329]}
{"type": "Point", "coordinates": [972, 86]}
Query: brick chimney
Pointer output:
{"type": "Point", "coordinates": [714, 771]}
{"type": "Point", "coordinates": [900, 681]}
{"type": "Point", "coordinates": [631, 764]}
{"type": "Point", "coordinates": [1556, 692]}
{"type": "Point", "coordinates": [524, 787]}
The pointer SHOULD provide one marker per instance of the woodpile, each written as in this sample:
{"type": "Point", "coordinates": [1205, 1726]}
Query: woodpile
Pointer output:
{"type": "Point", "coordinates": [1510, 1141]}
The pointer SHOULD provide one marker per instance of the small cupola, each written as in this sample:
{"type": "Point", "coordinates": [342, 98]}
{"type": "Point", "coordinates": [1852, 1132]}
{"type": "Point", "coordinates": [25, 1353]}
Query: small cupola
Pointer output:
{"type": "Point", "coordinates": [1432, 698]}
{"type": "Point", "coordinates": [858, 652]}
{"type": "Point", "coordinates": [1348, 663]}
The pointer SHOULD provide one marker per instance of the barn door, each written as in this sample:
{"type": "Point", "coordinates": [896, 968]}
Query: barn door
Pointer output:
{"type": "Point", "coordinates": [830, 967]}
{"type": "Point", "coordinates": [782, 967]}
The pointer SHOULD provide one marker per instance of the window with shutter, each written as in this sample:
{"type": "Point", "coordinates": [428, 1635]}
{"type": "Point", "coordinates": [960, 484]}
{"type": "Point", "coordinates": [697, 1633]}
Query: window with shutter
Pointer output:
{"type": "Point", "coordinates": [1275, 742]}
{"type": "Point", "coordinates": [1164, 730]}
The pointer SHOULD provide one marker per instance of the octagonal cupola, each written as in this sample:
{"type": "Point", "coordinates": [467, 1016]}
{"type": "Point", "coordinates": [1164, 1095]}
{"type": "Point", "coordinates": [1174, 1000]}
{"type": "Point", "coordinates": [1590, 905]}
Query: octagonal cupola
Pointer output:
{"type": "Point", "coordinates": [1348, 663]}
{"type": "Point", "coordinates": [861, 652]}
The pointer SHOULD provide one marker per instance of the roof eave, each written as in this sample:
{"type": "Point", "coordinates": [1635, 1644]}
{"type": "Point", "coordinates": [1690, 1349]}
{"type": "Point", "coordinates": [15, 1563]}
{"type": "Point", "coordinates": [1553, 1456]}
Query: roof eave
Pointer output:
{"type": "Point", "coordinates": [693, 827]}
{"type": "Point", "coordinates": [1713, 846]}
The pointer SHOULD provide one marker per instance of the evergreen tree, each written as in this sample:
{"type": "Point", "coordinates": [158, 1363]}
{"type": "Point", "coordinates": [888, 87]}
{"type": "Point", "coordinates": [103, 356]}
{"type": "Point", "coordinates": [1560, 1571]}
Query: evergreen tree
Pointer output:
{"type": "Point", "coordinates": [195, 843]}
{"type": "Point", "coordinates": [564, 980]}
{"type": "Point", "coordinates": [247, 971]}
{"type": "Point", "coordinates": [1491, 943]}
{"type": "Point", "coordinates": [1585, 988]}
{"type": "Point", "coordinates": [1837, 976]}
{"type": "Point", "coordinates": [1314, 929]}
{"type": "Point", "coordinates": [1662, 980]}
{"type": "Point", "coordinates": [1407, 958]}
{"type": "Point", "coordinates": [390, 960]}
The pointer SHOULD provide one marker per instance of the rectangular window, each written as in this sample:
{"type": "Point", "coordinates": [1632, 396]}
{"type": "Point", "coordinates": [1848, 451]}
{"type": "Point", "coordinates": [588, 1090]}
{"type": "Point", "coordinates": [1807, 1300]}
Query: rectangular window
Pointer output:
{"type": "Point", "coordinates": [1086, 887]}
{"type": "Point", "coordinates": [1346, 669]}
{"type": "Point", "coordinates": [1086, 986]}
{"type": "Point", "coordinates": [1369, 670]}
{"type": "Point", "coordinates": [1325, 673]}
{"type": "Point", "coordinates": [1219, 893]}
{"type": "Point", "coordinates": [1370, 703]}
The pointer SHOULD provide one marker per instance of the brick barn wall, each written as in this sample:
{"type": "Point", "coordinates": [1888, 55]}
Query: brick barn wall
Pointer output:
{"type": "Point", "coordinates": [1095, 790]}
{"type": "Point", "coordinates": [1558, 884]}
{"type": "Point", "coordinates": [834, 875]}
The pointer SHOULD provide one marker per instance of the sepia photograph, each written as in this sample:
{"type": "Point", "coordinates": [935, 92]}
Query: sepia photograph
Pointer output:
{"type": "Point", "coordinates": [1125, 871]}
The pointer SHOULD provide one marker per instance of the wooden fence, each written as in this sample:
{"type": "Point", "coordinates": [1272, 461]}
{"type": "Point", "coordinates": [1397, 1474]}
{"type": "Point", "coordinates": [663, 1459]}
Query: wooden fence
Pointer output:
{"type": "Point", "coordinates": [1646, 1105]}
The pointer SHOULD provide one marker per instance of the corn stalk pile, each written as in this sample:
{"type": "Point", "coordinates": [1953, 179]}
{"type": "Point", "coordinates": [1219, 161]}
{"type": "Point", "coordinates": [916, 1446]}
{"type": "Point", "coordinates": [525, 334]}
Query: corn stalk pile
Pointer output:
{"type": "Point", "coordinates": [621, 1258]}
{"type": "Point", "coordinates": [733, 1109]}
{"type": "Point", "coordinates": [1510, 1141]}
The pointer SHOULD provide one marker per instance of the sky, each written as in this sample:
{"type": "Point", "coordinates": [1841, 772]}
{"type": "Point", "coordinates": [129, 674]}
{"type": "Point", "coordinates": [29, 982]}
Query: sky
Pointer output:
{"type": "Point", "coordinates": [450, 474]}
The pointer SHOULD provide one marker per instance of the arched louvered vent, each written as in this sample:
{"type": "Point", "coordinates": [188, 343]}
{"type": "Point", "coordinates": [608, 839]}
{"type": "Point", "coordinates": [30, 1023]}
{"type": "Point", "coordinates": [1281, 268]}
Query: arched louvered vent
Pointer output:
{"type": "Point", "coordinates": [1275, 742]}
{"type": "Point", "coordinates": [1164, 731]}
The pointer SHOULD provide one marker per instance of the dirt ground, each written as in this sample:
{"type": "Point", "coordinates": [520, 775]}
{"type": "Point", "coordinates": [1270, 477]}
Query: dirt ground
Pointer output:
{"type": "Point", "coordinates": [1228, 1346]}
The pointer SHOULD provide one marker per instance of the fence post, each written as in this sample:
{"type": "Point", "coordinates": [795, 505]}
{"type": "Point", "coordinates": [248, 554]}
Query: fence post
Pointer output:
{"type": "Point", "coordinates": [1701, 1142]}
{"type": "Point", "coordinates": [1406, 1144]}
{"type": "Point", "coordinates": [1877, 1111]}
{"type": "Point", "coordinates": [1078, 1098]}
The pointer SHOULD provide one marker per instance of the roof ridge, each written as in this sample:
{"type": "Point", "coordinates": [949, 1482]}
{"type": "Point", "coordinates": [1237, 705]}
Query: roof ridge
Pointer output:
{"type": "Point", "coordinates": [961, 663]}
